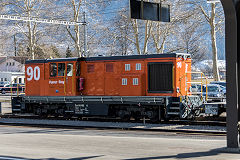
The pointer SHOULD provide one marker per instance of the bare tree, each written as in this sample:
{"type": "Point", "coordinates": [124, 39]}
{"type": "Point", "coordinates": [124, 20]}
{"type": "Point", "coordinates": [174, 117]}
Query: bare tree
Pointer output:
{"type": "Point", "coordinates": [147, 34]}
{"type": "Point", "coordinates": [119, 38]}
{"type": "Point", "coordinates": [211, 20]}
{"type": "Point", "coordinates": [214, 20]}
{"type": "Point", "coordinates": [190, 34]}
{"type": "Point", "coordinates": [27, 8]}
{"type": "Point", "coordinates": [75, 6]}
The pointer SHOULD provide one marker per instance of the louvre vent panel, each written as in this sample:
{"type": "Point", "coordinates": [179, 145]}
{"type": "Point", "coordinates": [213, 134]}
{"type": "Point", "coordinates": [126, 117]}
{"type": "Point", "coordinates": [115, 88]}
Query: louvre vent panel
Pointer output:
{"type": "Point", "coordinates": [160, 77]}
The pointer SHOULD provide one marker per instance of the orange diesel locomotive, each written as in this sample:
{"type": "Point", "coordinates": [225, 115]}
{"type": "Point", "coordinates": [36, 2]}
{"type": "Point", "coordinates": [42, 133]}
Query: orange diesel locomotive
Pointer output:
{"type": "Point", "coordinates": [152, 86]}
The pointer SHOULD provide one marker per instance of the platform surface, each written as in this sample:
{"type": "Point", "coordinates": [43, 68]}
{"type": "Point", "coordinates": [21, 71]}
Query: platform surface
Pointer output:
{"type": "Point", "coordinates": [18, 143]}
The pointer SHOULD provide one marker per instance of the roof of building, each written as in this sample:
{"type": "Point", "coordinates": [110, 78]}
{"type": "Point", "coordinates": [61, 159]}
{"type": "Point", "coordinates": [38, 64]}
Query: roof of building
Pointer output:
{"type": "Point", "coordinates": [19, 59]}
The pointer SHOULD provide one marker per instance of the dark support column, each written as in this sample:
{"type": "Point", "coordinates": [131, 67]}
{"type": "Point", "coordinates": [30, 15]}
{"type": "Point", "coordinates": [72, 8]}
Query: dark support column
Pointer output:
{"type": "Point", "coordinates": [238, 37]}
{"type": "Point", "coordinates": [233, 67]}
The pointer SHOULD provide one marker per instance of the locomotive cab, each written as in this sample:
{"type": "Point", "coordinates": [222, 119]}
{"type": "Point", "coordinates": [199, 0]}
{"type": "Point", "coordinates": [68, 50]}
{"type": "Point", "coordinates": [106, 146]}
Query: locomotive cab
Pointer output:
{"type": "Point", "coordinates": [58, 77]}
{"type": "Point", "coordinates": [63, 78]}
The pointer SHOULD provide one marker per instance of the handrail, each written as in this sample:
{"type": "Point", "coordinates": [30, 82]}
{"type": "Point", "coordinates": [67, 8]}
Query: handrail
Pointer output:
{"type": "Point", "coordinates": [65, 76]}
{"type": "Point", "coordinates": [202, 76]}
{"type": "Point", "coordinates": [73, 78]}
{"type": "Point", "coordinates": [11, 87]}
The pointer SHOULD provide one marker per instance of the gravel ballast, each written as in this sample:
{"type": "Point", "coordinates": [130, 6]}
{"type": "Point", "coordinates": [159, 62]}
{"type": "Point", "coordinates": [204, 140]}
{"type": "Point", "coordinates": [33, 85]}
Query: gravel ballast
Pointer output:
{"type": "Point", "coordinates": [116, 125]}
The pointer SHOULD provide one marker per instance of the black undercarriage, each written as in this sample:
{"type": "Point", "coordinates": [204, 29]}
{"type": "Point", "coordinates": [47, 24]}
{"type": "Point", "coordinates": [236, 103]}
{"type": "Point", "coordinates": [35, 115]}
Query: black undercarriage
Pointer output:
{"type": "Point", "coordinates": [153, 108]}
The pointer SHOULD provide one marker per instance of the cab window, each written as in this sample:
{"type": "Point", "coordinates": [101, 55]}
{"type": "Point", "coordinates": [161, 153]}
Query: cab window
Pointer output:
{"type": "Point", "coordinates": [69, 69]}
{"type": "Point", "coordinates": [53, 69]}
{"type": "Point", "coordinates": [61, 69]}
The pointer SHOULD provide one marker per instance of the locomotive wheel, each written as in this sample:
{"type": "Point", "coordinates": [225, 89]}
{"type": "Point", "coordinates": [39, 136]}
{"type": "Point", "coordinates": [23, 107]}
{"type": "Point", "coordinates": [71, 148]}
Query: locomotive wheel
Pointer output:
{"type": "Point", "coordinates": [126, 118]}
{"type": "Point", "coordinates": [67, 116]}
{"type": "Point", "coordinates": [37, 111]}
{"type": "Point", "coordinates": [43, 115]}
{"type": "Point", "coordinates": [124, 115]}
{"type": "Point", "coordinates": [56, 115]}
{"type": "Point", "coordinates": [153, 116]}
{"type": "Point", "coordinates": [137, 116]}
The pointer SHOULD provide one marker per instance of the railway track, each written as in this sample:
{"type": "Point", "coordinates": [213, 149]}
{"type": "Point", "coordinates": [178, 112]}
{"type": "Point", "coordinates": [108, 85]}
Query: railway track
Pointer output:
{"type": "Point", "coordinates": [201, 121]}
{"type": "Point", "coordinates": [215, 128]}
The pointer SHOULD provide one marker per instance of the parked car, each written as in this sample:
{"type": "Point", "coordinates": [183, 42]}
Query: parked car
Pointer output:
{"type": "Point", "coordinates": [214, 92]}
{"type": "Point", "coordinates": [8, 88]}
{"type": "Point", "coordinates": [2, 84]}
{"type": "Point", "coordinates": [223, 90]}
{"type": "Point", "coordinates": [222, 84]}
{"type": "Point", "coordinates": [219, 83]}
{"type": "Point", "coordinates": [196, 88]}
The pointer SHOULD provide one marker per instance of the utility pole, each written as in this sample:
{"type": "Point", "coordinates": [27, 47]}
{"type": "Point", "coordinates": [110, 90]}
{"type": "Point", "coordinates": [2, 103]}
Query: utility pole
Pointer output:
{"type": "Point", "coordinates": [7, 62]}
{"type": "Point", "coordinates": [85, 29]}
{"type": "Point", "coordinates": [125, 40]}
{"type": "Point", "coordinates": [15, 45]}
{"type": "Point", "coordinates": [30, 31]}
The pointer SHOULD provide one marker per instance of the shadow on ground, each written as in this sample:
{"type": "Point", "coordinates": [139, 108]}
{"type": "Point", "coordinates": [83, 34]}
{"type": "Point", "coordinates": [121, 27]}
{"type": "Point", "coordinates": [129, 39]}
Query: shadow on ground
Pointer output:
{"type": "Point", "coordinates": [20, 158]}
{"type": "Point", "coordinates": [192, 155]}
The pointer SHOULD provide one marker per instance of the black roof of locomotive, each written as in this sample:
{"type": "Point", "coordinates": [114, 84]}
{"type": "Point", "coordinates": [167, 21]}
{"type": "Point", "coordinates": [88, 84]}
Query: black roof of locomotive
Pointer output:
{"type": "Point", "coordinates": [102, 58]}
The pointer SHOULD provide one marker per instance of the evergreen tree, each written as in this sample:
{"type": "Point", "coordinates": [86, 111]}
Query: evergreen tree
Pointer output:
{"type": "Point", "coordinates": [55, 52]}
{"type": "Point", "coordinates": [68, 52]}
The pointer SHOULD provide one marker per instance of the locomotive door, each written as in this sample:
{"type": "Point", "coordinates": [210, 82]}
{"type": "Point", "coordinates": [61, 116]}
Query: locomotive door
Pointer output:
{"type": "Point", "coordinates": [69, 87]}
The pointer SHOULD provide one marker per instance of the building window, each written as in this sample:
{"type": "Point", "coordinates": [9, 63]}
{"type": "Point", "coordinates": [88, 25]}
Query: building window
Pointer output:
{"type": "Point", "coordinates": [135, 81]}
{"type": "Point", "coordinates": [15, 80]}
{"type": "Point", "coordinates": [13, 63]}
{"type": "Point", "coordinates": [109, 67]}
{"type": "Point", "coordinates": [19, 80]}
{"type": "Point", "coordinates": [61, 69]}
{"type": "Point", "coordinates": [127, 67]}
{"type": "Point", "coordinates": [138, 67]}
{"type": "Point", "coordinates": [69, 69]}
{"type": "Point", "coordinates": [5, 79]}
{"type": "Point", "coordinates": [90, 68]}
{"type": "Point", "coordinates": [1, 79]}
{"type": "Point", "coordinates": [7, 64]}
{"type": "Point", "coordinates": [10, 63]}
{"type": "Point", "coordinates": [124, 81]}
{"type": "Point", "coordinates": [53, 69]}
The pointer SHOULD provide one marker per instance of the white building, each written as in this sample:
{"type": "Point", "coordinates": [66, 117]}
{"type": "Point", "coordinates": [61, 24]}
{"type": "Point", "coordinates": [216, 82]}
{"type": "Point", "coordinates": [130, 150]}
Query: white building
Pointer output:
{"type": "Point", "coordinates": [12, 64]}
{"type": "Point", "coordinates": [12, 69]}
{"type": "Point", "coordinates": [12, 77]}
